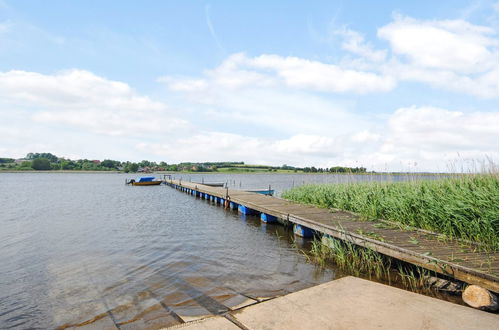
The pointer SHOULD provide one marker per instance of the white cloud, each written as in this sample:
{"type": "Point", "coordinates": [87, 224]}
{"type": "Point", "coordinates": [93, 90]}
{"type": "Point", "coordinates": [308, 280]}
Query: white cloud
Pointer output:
{"type": "Point", "coordinates": [81, 99]}
{"type": "Point", "coordinates": [454, 45]}
{"type": "Point", "coordinates": [238, 71]}
{"type": "Point", "coordinates": [365, 136]}
{"type": "Point", "coordinates": [314, 75]}
{"type": "Point", "coordinates": [207, 9]}
{"type": "Point", "coordinates": [435, 137]}
{"type": "Point", "coordinates": [274, 109]}
{"type": "Point", "coordinates": [453, 55]}
{"type": "Point", "coordinates": [61, 113]}
{"type": "Point", "coordinates": [485, 85]}
{"type": "Point", "coordinates": [354, 42]}
{"type": "Point", "coordinates": [215, 146]}
{"type": "Point", "coordinates": [276, 92]}
{"type": "Point", "coordinates": [435, 129]}
{"type": "Point", "coordinates": [495, 6]}
{"type": "Point", "coordinates": [414, 138]}
{"type": "Point", "coordinates": [79, 113]}
{"type": "Point", "coordinates": [307, 145]}
{"type": "Point", "coordinates": [446, 54]}
{"type": "Point", "coordinates": [242, 93]}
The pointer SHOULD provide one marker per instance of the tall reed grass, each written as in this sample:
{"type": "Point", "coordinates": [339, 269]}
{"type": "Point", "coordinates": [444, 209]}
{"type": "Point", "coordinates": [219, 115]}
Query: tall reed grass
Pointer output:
{"type": "Point", "coordinates": [461, 206]}
{"type": "Point", "coordinates": [360, 261]}
{"type": "Point", "coordinates": [350, 257]}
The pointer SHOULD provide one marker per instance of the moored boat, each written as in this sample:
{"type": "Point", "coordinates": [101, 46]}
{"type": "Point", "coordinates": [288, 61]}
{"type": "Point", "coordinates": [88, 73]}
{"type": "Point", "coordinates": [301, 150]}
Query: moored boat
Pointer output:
{"type": "Point", "coordinates": [214, 184]}
{"type": "Point", "coordinates": [267, 192]}
{"type": "Point", "coordinates": [145, 181]}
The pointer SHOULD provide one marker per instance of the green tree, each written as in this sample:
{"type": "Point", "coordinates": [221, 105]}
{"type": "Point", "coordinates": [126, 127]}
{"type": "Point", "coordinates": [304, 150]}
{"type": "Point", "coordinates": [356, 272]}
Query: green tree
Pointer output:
{"type": "Point", "coordinates": [131, 167]}
{"type": "Point", "coordinates": [47, 155]}
{"type": "Point", "coordinates": [41, 164]}
{"type": "Point", "coordinates": [145, 163]}
{"type": "Point", "coordinates": [88, 166]}
{"type": "Point", "coordinates": [67, 165]}
{"type": "Point", "coordinates": [6, 160]}
{"type": "Point", "coordinates": [26, 164]}
{"type": "Point", "coordinates": [110, 163]}
{"type": "Point", "coordinates": [173, 168]}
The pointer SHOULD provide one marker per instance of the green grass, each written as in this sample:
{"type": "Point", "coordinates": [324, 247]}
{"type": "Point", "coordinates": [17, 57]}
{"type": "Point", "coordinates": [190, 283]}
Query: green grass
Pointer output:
{"type": "Point", "coordinates": [364, 262]}
{"type": "Point", "coordinates": [347, 256]}
{"type": "Point", "coordinates": [464, 206]}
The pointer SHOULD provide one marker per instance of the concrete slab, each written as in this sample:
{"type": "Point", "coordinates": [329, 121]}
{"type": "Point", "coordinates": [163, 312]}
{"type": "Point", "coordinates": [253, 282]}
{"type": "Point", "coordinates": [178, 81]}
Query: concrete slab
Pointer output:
{"type": "Point", "coordinates": [153, 318]}
{"type": "Point", "coordinates": [104, 323]}
{"type": "Point", "coordinates": [239, 302]}
{"type": "Point", "coordinates": [353, 303]}
{"type": "Point", "coordinates": [211, 323]}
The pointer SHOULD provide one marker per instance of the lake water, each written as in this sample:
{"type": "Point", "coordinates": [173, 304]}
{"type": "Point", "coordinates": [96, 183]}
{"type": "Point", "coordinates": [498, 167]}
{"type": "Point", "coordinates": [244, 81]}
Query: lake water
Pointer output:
{"type": "Point", "coordinates": [86, 250]}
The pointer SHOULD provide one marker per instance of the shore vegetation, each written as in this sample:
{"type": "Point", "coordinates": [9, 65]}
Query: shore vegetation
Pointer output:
{"type": "Point", "coordinates": [48, 161]}
{"type": "Point", "coordinates": [464, 206]}
{"type": "Point", "coordinates": [364, 262]}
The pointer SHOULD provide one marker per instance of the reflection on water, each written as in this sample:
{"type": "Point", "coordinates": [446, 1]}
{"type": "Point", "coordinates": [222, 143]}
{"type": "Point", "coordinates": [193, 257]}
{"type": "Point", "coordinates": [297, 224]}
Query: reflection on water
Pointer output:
{"type": "Point", "coordinates": [84, 249]}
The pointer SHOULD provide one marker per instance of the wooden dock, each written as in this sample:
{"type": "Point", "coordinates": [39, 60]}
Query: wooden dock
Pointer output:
{"type": "Point", "coordinates": [461, 260]}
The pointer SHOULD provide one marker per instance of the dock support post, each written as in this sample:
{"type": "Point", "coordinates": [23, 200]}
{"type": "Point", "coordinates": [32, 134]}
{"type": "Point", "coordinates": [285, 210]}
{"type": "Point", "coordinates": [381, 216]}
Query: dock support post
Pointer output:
{"type": "Point", "coordinates": [245, 210]}
{"type": "Point", "coordinates": [302, 231]}
{"type": "Point", "coordinates": [267, 218]}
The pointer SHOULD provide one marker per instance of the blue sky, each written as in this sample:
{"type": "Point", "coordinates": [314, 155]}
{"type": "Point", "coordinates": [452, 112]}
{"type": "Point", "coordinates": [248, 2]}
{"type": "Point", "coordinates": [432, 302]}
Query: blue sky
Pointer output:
{"type": "Point", "coordinates": [389, 85]}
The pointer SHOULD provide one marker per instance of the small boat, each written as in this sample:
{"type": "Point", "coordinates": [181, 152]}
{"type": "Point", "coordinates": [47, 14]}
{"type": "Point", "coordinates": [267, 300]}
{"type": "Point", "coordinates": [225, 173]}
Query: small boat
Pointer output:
{"type": "Point", "coordinates": [267, 192]}
{"type": "Point", "coordinates": [212, 184]}
{"type": "Point", "coordinates": [145, 181]}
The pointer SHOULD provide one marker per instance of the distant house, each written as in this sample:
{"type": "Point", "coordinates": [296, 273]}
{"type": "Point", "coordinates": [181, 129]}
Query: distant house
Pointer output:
{"type": "Point", "coordinates": [145, 169]}
{"type": "Point", "coordinates": [96, 162]}
{"type": "Point", "coordinates": [20, 160]}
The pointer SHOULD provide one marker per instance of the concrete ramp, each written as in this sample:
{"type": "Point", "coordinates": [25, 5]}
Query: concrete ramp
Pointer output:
{"type": "Point", "coordinates": [353, 303]}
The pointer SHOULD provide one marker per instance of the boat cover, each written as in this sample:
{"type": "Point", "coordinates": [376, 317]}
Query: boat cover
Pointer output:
{"type": "Point", "coordinates": [146, 179]}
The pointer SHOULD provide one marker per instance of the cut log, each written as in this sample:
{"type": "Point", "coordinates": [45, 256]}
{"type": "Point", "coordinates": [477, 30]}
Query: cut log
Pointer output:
{"type": "Point", "coordinates": [481, 298]}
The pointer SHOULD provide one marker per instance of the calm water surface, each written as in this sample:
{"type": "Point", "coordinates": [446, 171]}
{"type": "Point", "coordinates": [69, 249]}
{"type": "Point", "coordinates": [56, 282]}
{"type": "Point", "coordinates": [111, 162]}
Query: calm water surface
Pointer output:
{"type": "Point", "coordinates": [86, 250]}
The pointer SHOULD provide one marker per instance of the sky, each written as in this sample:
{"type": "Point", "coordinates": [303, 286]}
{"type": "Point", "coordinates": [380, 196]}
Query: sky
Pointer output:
{"type": "Point", "coordinates": [387, 85]}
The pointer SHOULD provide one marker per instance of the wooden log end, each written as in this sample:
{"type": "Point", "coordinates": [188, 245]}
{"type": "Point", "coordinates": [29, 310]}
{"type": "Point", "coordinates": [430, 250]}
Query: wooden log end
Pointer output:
{"type": "Point", "coordinates": [481, 298]}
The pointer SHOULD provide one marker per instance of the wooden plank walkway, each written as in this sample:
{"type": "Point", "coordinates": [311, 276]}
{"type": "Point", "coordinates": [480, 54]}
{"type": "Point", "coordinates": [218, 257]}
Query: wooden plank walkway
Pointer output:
{"type": "Point", "coordinates": [458, 259]}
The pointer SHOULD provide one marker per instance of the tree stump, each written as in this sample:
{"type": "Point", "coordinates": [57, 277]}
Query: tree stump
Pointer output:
{"type": "Point", "coordinates": [481, 298]}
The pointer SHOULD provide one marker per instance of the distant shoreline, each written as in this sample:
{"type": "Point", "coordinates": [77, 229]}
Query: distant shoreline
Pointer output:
{"type": "Point", "coordinates": [57, 171]}
{"type": "Point", "coordinates": [224, 172]}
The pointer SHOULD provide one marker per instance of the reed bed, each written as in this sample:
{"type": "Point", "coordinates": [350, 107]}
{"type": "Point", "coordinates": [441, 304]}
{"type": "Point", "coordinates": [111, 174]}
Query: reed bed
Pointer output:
{"type": "Point", "coordinates": [360, 261]}
{"type": "Point", "coordinates": [351, 258]}
{"type": "Point", "coordinates": [461, 206]}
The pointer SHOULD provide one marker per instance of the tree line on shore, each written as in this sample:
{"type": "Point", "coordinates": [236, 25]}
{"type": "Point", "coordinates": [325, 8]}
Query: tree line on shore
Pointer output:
{"type": "Point", "coordinates": [49, 161]}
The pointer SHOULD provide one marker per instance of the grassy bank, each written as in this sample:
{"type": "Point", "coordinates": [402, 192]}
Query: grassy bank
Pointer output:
{"type": "Point", "coordinates": [465, 207]}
